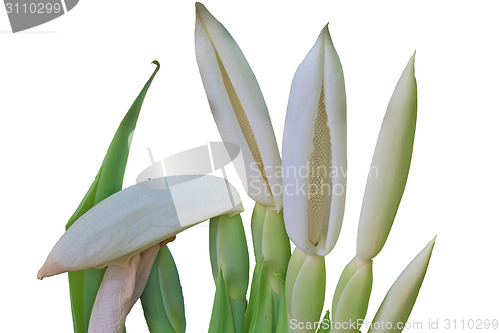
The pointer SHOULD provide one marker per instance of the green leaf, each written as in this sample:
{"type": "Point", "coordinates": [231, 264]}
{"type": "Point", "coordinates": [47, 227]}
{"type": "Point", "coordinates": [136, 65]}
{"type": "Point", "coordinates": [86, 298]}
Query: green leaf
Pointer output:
{"type": "Point", "coordinates": [351, 298]}
{"type": "Point", "coordinates": [262, 321]}
{"type": "Point", "coordinates": [222, 318]}
{"type": "Point", "coordinates": [324, 326]}
{"type": "Point", "coordinates": [229, 254]}
{"type": "Point", "coordinates": [305, 289]}
{"type": "Point", "coordinates": [271, 243]}
{"type": "Point", "coordinates": [85, 284]}
{"type": "Point", "coordinates": [275, 248]}
{"type": "Point", "coordinates": [153, 306]}
{"type": "Point", "coordinates": [171, 290]}
{"type": "Point", "coordinates": [346, 275]}
{"type": "Point", "coordinates": [254, 289]}
{"type": "Point", "coordinates": [212, 244]}
{"type": "Point", "coordinates": [257, 226]}
{"type": "Point", "coordinates": [162, 300]}
{"type": "Point", "coordinates": [259, 316]}
{"type": "Point", "coordinates": [238, 309]}
{"type": "Point", "coordinates": [282, 321]}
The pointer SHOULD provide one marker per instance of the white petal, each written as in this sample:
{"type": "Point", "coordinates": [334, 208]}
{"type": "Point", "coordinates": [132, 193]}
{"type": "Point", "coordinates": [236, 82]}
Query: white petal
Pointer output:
{"type": "Point", "coordinates": [390, 165]}
{"type": "Point", "coordinates": [136, 218]}
{"type": "Point", "coordinates": [113, 300]}
{"type": "Point", "coordinates": [238, 107]}
{"type": "Point", "coordinates": [399, 301]}
{"type": "Point", "coordinates": [319, 79]}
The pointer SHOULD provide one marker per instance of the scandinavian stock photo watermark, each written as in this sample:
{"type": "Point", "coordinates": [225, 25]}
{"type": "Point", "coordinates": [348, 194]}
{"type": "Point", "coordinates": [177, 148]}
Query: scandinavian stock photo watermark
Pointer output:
{"type": "Point", "coordinates": [216, 156]}
{"type": "Point", "coordinates": [193, 165]}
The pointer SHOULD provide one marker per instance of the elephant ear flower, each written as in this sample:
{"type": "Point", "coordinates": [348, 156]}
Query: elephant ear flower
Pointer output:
{"type": "Point", "coordinates": [242, 118]}
{"type": "Point", "coordinates": [400, 299]}
{"type": "Point", "coordinates": [384, 189]}
{"type": "Point", "coordinates": [124, 232]}
{"type": "Point", "coordinates": [239, 109]}
{"type": "Point", "coordinates": [315, 150]}
{"type": "Point", "coordinates": [390, 166]}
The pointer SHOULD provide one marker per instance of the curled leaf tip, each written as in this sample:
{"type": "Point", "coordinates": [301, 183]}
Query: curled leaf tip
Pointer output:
{"type": "Point", "coordinates": [157, 63]}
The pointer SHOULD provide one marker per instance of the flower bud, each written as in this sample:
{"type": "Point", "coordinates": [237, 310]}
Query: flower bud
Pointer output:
{"type": "Point", "coordinates": [399, 301]}
{"type": "Point", "coordinates": [390, 166]}
{"type": "Point", "coordinates": [239, 109]}
{"type": "Point", "coordinates": [229, 253]}
{"type": "Point", "coordinates": [229, 256]}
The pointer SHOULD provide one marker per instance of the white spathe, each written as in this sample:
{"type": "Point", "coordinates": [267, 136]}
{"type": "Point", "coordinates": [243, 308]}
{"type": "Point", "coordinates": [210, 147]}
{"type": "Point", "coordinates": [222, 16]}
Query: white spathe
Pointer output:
{"type": "Point", "coordinates": [390, 166]}
{"type": "Point", "coordinates": [137, 218]}
{"type": "Point", "coordinates": [238, 108]}
{"type": "Point", "coordinates": [399, 301]}
{"type": "Point", "coordinates": [315, 124]}
{"type": "Point", "coordinates": [125, 232]}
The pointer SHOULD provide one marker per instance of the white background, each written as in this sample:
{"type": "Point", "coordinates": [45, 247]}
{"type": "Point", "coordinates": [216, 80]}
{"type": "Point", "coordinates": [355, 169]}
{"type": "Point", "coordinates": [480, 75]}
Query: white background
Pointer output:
{"type": "Point", "coordinates": [65, 86]}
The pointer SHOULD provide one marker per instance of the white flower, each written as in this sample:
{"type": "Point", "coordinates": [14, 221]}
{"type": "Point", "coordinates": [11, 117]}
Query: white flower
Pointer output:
{"type": "Point", "coordinates": [124, 232]}
{"type": "Point", "coordinates": [315, 140]}
{"type": "Point", "coordinates": [239, 109]}
{"type": "Point", "coordinates": [390, 166]}
{"type": "Point", "coordinates": [399, 301]}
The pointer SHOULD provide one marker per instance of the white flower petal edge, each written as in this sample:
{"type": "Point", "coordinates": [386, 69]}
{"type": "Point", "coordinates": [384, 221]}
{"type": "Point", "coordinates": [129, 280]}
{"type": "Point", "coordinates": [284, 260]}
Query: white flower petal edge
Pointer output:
{"type": "Point", "coordinates": [239, 109]}
{"type": "Point", "coordinates": [390, 166]}
{"type": "Point", "coordinates": [316, 130]}
{"type": "Point", "coordinates": [399, 301]}
{"type": "Point", "coordinates": [137, 218]}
